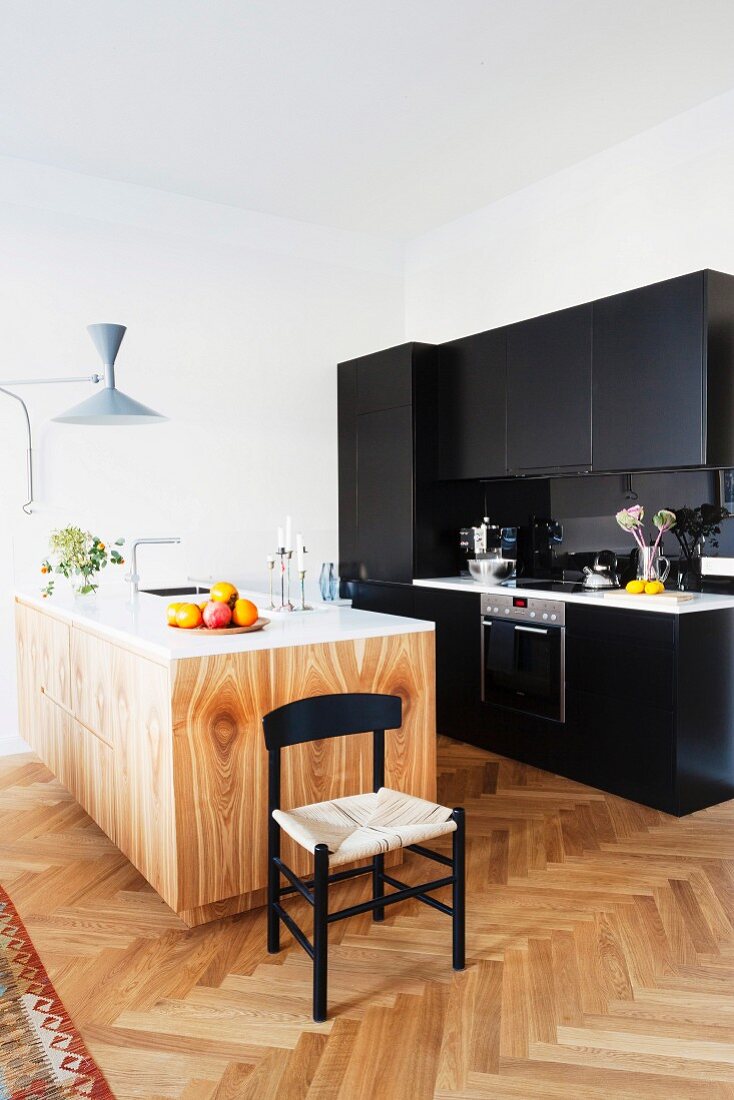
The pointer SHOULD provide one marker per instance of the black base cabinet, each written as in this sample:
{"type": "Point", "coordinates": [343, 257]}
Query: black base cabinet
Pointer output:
{"type": "Point", "coordinates": [458, 641]}
{"type": "Point", "coordinates": [649, 696]}
{"type": "Point", "coordinates": [649, 706]}
{"type": "Point", "coordinates": [457, 616]}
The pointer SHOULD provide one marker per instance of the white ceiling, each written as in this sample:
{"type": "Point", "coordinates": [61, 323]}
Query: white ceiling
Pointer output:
{"type": "Point", "coordinates": [389, 116]}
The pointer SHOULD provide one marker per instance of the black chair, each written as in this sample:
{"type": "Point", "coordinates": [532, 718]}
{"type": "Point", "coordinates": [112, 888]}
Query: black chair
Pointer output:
{"type": "Point", "coordinates": [355, 827]}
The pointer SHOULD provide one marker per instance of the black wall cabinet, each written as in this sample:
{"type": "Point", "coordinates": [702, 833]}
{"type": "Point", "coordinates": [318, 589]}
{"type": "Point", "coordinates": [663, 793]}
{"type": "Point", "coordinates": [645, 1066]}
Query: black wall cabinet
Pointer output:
{"type": "Point", "coordinates": [549, 392]}
{"type": "Point", "coordinates": [649, 379]}
{"type": "Point", "coordinates": [385, 492]}
{"type": "Point", "coordinates": [472, 403]}
{"type": "Point", "coordinates": [380, 397]}
{"type": "Point", "coordinates": [637, 381]}
{"type": "Point", "coordinates": [397, 521]}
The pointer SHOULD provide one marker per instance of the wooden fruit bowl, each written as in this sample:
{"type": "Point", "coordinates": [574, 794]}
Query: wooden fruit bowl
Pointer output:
{"type": "Point", "coordinates": [206, 631]}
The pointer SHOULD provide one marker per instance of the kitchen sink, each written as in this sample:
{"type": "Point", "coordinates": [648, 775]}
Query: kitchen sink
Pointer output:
{"type": "Point", "coordinates": [190, 590]}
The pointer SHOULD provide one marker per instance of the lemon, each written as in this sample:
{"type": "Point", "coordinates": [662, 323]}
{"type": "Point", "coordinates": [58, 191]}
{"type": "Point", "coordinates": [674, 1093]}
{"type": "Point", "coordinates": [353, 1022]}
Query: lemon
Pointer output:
{"type": "Point", "coordinates": [635, 588]}
{"type": "Point", "coordinates": [653, 588]}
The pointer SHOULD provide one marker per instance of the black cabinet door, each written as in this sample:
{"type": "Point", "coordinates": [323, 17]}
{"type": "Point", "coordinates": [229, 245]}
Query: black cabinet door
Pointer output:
{"type": "Point", "coordinates": [385, 494]}
{"type": "Point", "coordinates": [472, 399]}
{"type": "Point", "coordinates": [457, 616]}
{"type": "Point", "coordinates": [615, 747]}
{"type": "Point", "coordinates": [549, 392]}
{"type": "Point", "coordinates": [648, 384]}
{"type": "Point", "coordinates": [620, 698]}
{"type": "Point", "coordinates": [385, 379]}
{"type": "Point", "coordinates": [383, 597]}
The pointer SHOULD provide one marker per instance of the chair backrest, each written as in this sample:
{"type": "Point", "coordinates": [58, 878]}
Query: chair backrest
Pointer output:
{"type": "Point", "coordinates": [324, 716]}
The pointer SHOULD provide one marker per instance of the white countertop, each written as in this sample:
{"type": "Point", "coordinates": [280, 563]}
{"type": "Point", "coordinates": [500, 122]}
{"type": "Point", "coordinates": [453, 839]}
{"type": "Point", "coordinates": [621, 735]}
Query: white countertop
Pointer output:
{"type": "Point", "coordinates": [143, 623]}
{"type": "Point", "coordinates": [702, 601]}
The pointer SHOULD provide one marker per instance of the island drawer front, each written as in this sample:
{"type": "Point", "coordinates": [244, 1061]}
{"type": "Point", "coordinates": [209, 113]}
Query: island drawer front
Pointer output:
{"type": "Point", "coordinates": [80, 760]}
{"type": "Point", "coordinates": [94, 777]}
{"type": "Point", "coordinates": [638, 626]}
{"type": "Point", "coordinates": [43, 663]}
{"type": "Point", "coordinates": [91, 682]}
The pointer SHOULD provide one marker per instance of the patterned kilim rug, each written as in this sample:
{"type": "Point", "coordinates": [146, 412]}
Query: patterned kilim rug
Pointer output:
{"type": "Point", "coordinates": [41, 1052]}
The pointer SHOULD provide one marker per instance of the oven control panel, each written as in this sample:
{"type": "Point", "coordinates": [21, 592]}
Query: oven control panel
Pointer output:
{"type": "Point", "coordinates": [527, 609]}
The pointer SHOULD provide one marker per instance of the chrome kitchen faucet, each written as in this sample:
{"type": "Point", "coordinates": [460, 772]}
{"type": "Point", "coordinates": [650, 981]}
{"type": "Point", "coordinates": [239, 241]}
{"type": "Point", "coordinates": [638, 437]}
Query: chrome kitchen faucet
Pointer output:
{"type": "Point", "coordinates": [133, 576]}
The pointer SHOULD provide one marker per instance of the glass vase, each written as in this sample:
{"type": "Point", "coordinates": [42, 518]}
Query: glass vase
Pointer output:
{"type": "Point", "coordinates": [324, 581]}
{"type": "Point", "coordinates": [333, 582]}
{"type": "Point", "coordinates": [84, 589]}
{"type": "Point", "coordinates": [689, 570]}
{"type": "Point", "coordinates": [652, 565]}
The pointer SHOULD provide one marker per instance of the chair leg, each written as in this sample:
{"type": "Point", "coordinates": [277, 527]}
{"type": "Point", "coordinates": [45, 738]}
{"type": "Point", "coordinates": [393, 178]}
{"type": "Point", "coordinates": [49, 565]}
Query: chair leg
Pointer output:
{"type": "Point", "coordinates": [320, 930]}
{"type": "Point", "coordinates": [273, 887]}
{"type": "Point", "coordinates": [378, 886]}
{"type": "Point", "coordinates": [458, 891]}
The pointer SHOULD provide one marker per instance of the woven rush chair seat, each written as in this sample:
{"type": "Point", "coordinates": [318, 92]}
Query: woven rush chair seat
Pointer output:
{"type": "Point", "coordinates": [363, 825]}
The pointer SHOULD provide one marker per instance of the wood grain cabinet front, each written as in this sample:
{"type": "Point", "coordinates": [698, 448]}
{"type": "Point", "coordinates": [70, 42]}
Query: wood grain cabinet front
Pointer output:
{"type": "Point", "coordinates": [43, 659]}
{"type": "Point", "coordinates": [169, 758]}
{"type": "Point", "coordinates": [91, 661]}
{"type": "Point", "coordinates": [82, 762]}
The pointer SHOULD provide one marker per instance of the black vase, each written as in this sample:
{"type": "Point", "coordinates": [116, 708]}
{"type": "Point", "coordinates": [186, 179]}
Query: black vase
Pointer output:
{"type": "Point", "coordinates": [689, 576]}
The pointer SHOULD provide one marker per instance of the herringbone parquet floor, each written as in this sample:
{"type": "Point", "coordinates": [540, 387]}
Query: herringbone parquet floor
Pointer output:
{"type": "Point", "coordinates": [600, 952]}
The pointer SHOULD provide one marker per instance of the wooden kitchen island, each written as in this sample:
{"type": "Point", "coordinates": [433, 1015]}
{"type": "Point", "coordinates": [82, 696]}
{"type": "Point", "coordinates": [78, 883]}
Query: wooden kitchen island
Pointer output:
{"type": "Point", "coordinates": [158, 733]}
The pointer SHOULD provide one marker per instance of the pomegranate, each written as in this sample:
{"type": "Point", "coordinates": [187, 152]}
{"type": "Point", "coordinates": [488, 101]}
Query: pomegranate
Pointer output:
{"type": "Point", "coordinates": [217, 615]}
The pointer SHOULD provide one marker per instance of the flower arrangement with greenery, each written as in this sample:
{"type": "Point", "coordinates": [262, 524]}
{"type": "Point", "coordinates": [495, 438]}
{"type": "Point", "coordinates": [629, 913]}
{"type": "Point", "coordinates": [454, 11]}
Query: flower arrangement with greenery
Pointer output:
{"type": "Point", "coordinates": [695, 525]}
{"type": "Point", "coordinates": [79, 556]}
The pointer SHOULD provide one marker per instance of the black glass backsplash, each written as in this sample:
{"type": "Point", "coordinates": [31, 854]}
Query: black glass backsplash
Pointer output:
{"type": "Point", "coordinates": [586, 505]}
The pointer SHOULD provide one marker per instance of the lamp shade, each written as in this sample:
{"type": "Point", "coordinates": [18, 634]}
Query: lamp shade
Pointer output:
{"type": "Point", "coordinates": [110, 405]}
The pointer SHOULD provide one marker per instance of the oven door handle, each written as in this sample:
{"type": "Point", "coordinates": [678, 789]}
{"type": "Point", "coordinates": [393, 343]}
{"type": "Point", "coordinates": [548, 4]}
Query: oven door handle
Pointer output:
{"type": "Point", "coordinates": [519, 626]}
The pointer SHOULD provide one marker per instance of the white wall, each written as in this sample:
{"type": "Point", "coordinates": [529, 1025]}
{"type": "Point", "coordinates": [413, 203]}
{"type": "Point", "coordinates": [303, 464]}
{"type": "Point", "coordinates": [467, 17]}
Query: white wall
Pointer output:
{"type": "Point", "coordinates": [658, 205]}
{"type": "Point", "coordinates": [236, 321]}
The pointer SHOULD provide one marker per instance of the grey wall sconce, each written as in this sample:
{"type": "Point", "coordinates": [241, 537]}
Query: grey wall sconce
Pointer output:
{"type": "Point", "coordinates": [108, 406]}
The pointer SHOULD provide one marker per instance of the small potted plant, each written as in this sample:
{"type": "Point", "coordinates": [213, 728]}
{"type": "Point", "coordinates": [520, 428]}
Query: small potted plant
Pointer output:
{"type": "Point", "coordinates": [694, 527]}
{"type": "Point", "coordinates": [79, 556]}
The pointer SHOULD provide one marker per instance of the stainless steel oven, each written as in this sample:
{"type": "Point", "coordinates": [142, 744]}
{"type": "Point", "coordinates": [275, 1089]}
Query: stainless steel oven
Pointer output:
{"type": "Point", "coordinates": [524, 654]}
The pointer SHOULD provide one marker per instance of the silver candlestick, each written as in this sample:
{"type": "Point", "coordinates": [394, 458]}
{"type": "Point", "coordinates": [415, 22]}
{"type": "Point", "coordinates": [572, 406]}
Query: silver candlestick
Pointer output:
{"type": "Point", "coordinates": [271, 569]}
{"type": "Point", "coordinates": [285, 579]}
{"type": "Point", "coordinates": [302, 577]}
{"type": "Point", "coordinates": [288, 604]}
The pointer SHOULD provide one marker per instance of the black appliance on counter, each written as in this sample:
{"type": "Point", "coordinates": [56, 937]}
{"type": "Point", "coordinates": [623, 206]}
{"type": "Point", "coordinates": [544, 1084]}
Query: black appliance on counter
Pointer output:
{"type": "Point", "coordinates": [538, 546]}
{"type": "Point", "coordinates": [524, 655]}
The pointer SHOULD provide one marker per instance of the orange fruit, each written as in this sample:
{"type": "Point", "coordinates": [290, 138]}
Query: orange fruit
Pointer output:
{"type": "Point", "coordinates": [244, 613]}
{"type": "Point", "coordinates": [223, 592]}
{"type": "Point", "coordinates": [188, 616]}
{"type": "Point", "coordinates": [171, 613]}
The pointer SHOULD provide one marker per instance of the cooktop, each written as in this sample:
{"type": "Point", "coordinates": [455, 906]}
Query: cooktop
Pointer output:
{"type": "Point", "coordinates": [545, 584]}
